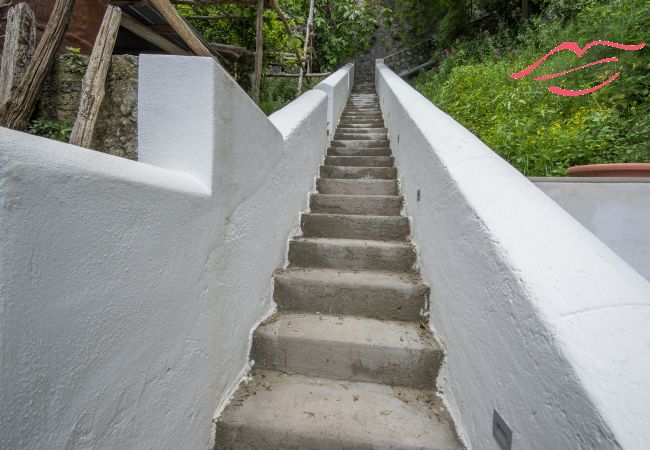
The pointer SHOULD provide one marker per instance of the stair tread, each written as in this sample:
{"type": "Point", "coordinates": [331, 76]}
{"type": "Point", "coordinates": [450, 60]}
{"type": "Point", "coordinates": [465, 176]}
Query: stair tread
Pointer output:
{"type": "Point", "coordinates": [345, 347]}
{"type": "Point", "coordinates": [349, 329]}
{"type": "Point", "coordinates": [352, 278]}
{"type": "Point", "coordinates": [354, 242]}
{"type": "Point", "coordinates": [276, 410]}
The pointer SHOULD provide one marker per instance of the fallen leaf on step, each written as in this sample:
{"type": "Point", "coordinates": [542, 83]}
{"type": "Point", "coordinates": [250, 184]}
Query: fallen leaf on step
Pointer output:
{"type": "Point", "coordinates": [345, 386]}
{"type": "Point", "coordinates": [385, 412]}
{"type": "Point", "coordinates": [355, 398]}
{"type": "Point", "coordinates": [401, 338]}
{"type": "Point", "coordinates": [402, 397]}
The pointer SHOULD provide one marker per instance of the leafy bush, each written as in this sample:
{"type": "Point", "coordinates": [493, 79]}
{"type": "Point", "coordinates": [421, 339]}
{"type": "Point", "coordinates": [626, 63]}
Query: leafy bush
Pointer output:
{"type": "Point", "coordinates": [59, 131]}
{"type": "Point", "coordinates": [538, 132]}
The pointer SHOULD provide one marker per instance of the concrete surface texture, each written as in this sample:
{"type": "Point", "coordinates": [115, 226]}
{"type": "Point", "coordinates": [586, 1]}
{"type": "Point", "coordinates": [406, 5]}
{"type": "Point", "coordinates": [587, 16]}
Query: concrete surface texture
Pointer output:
{"type": "Point", "coordinates": [345, 362]}
{"type": "Point", "coordinates": [541, 321]}
{"type": "Point", "coordinates": [616, 211]}
{"type": "Point", "coordinates": [129, 290]}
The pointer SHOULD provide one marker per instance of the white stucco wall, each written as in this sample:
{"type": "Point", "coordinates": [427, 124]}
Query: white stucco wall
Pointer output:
{"type": "Point", "coordinates": [128, 290]}
{"type": "Point", "coordinates": [337, 86]}
{"type": "Point", "coordinates": [540, 320]}
{"type": "Point", "coordinates": [616, 211]}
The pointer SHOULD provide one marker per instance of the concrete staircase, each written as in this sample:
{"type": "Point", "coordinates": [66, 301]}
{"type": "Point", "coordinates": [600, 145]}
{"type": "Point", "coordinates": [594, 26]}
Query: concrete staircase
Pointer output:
{"type": "Point", "coordinates": [346, 362]}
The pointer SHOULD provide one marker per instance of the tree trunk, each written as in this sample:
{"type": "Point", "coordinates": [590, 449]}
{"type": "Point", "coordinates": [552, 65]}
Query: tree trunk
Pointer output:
{"type": "Point", "coordinates": [20, 42]}
{"type": "Point", "coordinates": [303, 64]}
{"type": "Point", "coordinates": [259, 52]}
{"type": "Point", "coordinates": [16, 111]}
{"type": "Point", "coordinates": [93, 87]}
{"type": "Point", "coordinates": [525, 8]}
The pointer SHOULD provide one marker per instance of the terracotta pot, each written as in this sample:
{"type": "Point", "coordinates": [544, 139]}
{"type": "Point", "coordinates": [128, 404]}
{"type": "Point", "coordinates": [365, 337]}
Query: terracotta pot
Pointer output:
{"type": "Point", "coordinates": [626, 170]}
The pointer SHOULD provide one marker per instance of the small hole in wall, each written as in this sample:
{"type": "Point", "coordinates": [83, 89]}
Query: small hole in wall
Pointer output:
{"type": "Point", "coordinates": [398, 138]}
{"type": "Point", "coordinates": [418, 195]}
{"type": "Point", "coordinates": [501, 431]}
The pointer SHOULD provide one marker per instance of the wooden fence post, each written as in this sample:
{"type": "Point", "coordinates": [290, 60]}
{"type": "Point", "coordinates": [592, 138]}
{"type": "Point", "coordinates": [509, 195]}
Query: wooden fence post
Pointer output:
{"type": "Point", "coordinates": [93, 87]}
{"type": "Point", "coordinates": [259, 52]}
{"type": "Point", "coordinates": [20, 42]}
{"type": "Point", "coordinates": [16, 111]}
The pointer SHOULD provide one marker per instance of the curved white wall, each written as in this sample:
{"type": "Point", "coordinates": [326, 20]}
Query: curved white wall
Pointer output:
{"type": "Point", "coordinates": [541, 321]}
{"type": "Point", "coordinates": [128, 290]}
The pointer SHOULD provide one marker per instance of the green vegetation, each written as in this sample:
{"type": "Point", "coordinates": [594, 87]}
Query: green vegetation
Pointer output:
{"type": "Point", "coordinates": [50, 129]}
{"type": "Point", "coordinates": [277, 92]}
{"type": "Point", "coordinates": [538, 132]}
{"type": "Point", "coordinates": [75, 60]}
{"type": "Point", "coordinates": [341, 29]}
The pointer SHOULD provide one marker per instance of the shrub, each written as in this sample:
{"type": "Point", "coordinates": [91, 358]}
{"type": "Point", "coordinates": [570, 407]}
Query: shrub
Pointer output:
{"type": "Point", "coordinates": [59, 131]}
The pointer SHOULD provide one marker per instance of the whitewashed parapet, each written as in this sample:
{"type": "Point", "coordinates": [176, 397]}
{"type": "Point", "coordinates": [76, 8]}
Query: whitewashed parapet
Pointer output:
{"type": "Point", "coordinates": [541, 321]}
{"type": "Point", "coordinates": [129, 289]}
{"type": "Point", "coordinates": [337, 87]}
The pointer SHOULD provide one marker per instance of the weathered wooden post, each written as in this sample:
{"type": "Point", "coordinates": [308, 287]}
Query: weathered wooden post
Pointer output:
{"type": "Point", "coordinates": [93, 87]}
{"type": "Point", "coordinates": [18, 108]}
{"type": "Point", "coordinates": [259, 52]}
{"type": "Point", "coordinates": [20, 42]}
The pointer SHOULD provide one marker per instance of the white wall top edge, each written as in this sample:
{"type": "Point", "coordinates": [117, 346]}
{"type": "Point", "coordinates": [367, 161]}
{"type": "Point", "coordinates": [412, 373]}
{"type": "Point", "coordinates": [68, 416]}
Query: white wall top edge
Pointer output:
{"type": "Point", "coordinates": [48, 155]}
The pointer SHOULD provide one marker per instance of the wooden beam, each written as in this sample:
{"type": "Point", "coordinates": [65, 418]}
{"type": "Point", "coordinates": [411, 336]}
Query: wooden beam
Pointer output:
{"type": "Point", "coordinates": [224, 17]}
{"type": "Point", "coordinates": [20, 42]}
{"type": "Point", "coordinates": [181, 27]}
{"type": "Point", "coordinates": [224, 48]}
{"type": "Point", "coordinates": [16, 111]}
{"type": "Point", "coordinates": [214, 2]}
{"type": "Point", "coordinates": [310, 21]}
{"type": "Point", "coordinates": [259, 50]}
{"type": "Point", "coordinates": [144, 32]}
{"type": "Point", "coordinates": [93, 86]}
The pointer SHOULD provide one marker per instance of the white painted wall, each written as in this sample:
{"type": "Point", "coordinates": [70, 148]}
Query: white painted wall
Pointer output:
{"type": "Point", "coordinates": [128, 290]}
{"type": "Point", "coordinates": [541, 321]}
{"type": "Point", "coordinates": [337, 87]}
{"type": "Point", "coordinates": [617, 211]}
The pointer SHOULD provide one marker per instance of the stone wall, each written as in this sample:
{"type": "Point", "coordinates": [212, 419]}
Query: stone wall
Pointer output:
{"type": "Point", "coordinates": [410, 57]}
{"type": "Point", "coordinates": [387, 41]}
{"type": "Point", "coordinates": [116, 129]}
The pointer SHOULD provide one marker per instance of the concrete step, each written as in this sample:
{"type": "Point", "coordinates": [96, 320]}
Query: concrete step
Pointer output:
{"type": "Point", "coordinates": [350, 226]}
{"type": "Point", "coordinates": [359, 130]}
{"type": "Point", "coordinates": [352, 254]}
{"type": "Point", "coordinates": [343, 151]}
{"type": "Point", "coordinates": [376, 205]}
{"type": "Point", "coordinates": [348, 348]}
{"type": "Point", "coordinates": [362, 109]}
{"type": "Point", "coordinates": [376, 295]}
{"type": "Point", "coordinates": [370, 143]}
{"type": "Point", "coordinates": [368, 173]}
{"type": "Point", "coordinates": [279, 411]}
{"type": "Point", "coordinates": [359, 136]}
{"type": "Point", "coordinates": [357, 187]}
{"type": "Point", "coordinates": [361, 124]}
{"type": "Point", "coordinates": [360, 161]}
{"type": "Point", "coordinates": [362, 116]}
